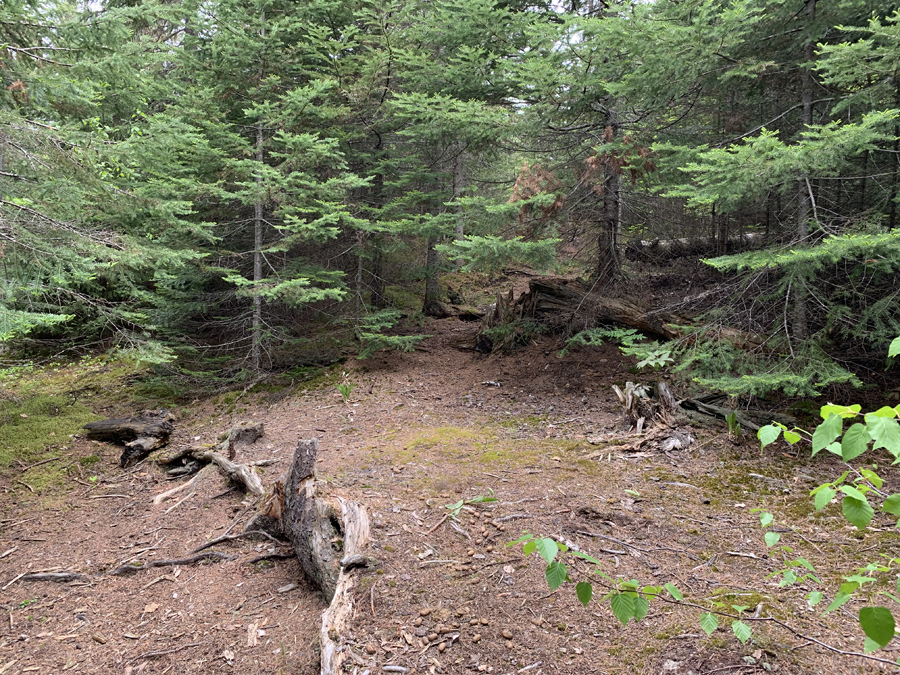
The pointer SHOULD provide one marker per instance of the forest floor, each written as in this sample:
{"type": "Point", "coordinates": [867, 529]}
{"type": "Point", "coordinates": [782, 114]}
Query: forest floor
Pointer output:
{"type": "Point", "coordinates": [419, 432]}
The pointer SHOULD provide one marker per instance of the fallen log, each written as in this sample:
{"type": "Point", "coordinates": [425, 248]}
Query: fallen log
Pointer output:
{"type": "Point", "coordinates": [329, 534]}
{"type": "Point", "coordinates": [140, 435]}
{"type": "Point", "coordinates": [658, 250]}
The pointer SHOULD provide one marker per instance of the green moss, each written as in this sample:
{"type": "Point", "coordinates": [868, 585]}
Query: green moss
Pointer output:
{"type": "Point", "coordinates": [403, 298]}
{"type": "Point", "coordinates": [30, 425]}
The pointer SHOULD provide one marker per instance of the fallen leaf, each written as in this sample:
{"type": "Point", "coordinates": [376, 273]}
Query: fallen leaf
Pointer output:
{"type": "Point", "coordinates": [252, 635]}
{"type": "Point", "coordinates": [152, 607]}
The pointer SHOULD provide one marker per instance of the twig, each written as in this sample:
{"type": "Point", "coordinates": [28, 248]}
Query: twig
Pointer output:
{"type": "Point", "coordinates": [22, 482]}
{"type": "Point", "coordinates": [438, 524]}
{"type": "Point", "coordinates": [110, 497]}
{"type": "Point", "coordinates": [160, 498]}
{"type": "Point", "coordinates": [54, 576]}
{"type": "Point", "coordinates": [14, 580]}
{"type": "Point", "coordinates": [12, 550]}
{"type": "Point", "coordinates": [270, 556]}
{"type": "Point", "coordinates": [743, 555]}
{"type": "Point", "coordinates": [232, 537]}
{"type": "Point", "coordinates": [180, 501]}
{"type": "Point", "coordinates": [511, 516]}
{"type": "Point", "coordinates": [150, 655]}
{"type": "Point", "coordinates": [43, 461]}
{"type": "Point", "coordinates": [210, 555]}
{"type": "Point", "coordinates": [372, 597]}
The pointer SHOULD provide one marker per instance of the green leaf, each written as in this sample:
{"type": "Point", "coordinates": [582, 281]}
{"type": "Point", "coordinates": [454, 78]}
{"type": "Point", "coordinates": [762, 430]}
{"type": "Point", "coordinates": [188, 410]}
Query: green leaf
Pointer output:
{"type": "Point", "coordinates": [585, 556]}
{"type": "Point", "coordinates": [772, 538]}
{"type": "Point", "coordinates": [843, 410]}
{"type": "Point", "coordinates": [855, 442]}
{"type": "Point", "coordinates": [741, 630]}
{"type": "Point", "coordinates": [857, 511]}
{"type": "Point", "coordinates": [878, 624]}
{"type": "Point", "coordinates": [622, 607]}
{"type": "Point", "coordinates": [556, 574]}
{"type": "Point", "coordinates": [674, 592]}
{"type": "Point", "coordinates": [766, 519]}
{"type": "Point", "coordinates": [641, 607]}
{"type": "Point", "coordinates": [651, 592]}
{"type": "Point", "coordinates": [547, 549]}
{"type": "Point", "coordinates": [826, 433]}
{"type": "Point", "coordinates": [792, 437]}
{"type": "Point", "coordinates": [884, 431]}
{"type": "Point", "coordinates": [768, 434]}
{"type": "Point", "coordinates": [869, 646]}
{"type": "Point", "coordinates": [709, 623]}
{"type": "Point", "coordinates": [824, 495]}
{"type": "Point", "coordinates": [851, 491]}
{"type": "Point", "coordinates": [872, 477]}
{"type": "Point", "coordinates": [839, 600]}
{"type": "Point", "coordinates": [813, 598]}
{"type": "Point", "coordinates": [892, 505]}
{"type": "Point", "coordinates": [894, 349]}
{"type": "Point", "coordinates": [584, 591]}
{"type": "Point", "coordinates": [529, 547]}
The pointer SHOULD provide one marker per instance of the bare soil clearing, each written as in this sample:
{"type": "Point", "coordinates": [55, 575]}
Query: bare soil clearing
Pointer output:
{"type": "Point", "coordinates": [421, 431]}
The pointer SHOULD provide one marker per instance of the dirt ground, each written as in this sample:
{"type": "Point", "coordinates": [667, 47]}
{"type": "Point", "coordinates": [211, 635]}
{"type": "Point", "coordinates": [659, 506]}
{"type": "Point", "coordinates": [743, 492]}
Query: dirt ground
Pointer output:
{"type": "Point", "coordinates": [419, 432]}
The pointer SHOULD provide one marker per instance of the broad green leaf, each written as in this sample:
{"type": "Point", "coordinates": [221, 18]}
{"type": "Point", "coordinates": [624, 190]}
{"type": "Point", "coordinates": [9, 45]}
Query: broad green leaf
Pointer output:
{"type": "Point", "coordinates": [556, 574]}
{"type": "Point", "coordinates": [892, 505]}
{"type": "Point", "coordinates": [709, 623]}
{"type": "Point", "coordinates": [792, 437]}
{"type": "Point", "coordinates": [872, 477]}
{"type": "Point", "coordinates": [768, 434]}
{"type": "Point", "coordinates": [584, 591]}
{"type": "Point", "coordinates": [878, 624]}
{"type": "Point", "coordinates": [894, 349]}
{"type": "Point", "coordinates": [529, 547]}
{"type": "Point", "coordinates": [840, 599]}
{"type": "Point", "coordinates": [766, 519]}
{"type": "Point", "coordinates": [835, 448]}
{"type": "Point", "coordinates": [803, 562]}
{"type": "Point", "coordinates": [651, 592]}
{"type": "Point", "coordinates": [856, 440]}
{"type": "Point", "coordinates": [547, 549]}
{"type": "Point", "coordinates": [843, 410]}
{"type": "Point", "coordinates": [869, 645]}
{"type": "Point", "coordinates": [742, 631]}
{"type": "Point", "coordinates": [826, 433]}
{"type": "Point", "coordinates": [740, 608]}
{"type": "Point", "coordinates": [851, 491]}
{"type": "Point", "coordinates": [857, 512]}
{"type": "Point", "coordinates": [859, 580]}
{"type": "Point", "coordinates": [585, 556]}
{"type": "Point", "coordinates": [674, 592]}
{"type": "Point", "coordinates": [788, 579]}
{"type": "Point", "coordinates": [885, 432]}
{"type": "Point", "coordinates": [813, 598]}
{"type": "Point", "coordinates": [772, 538]}
{"type": "Point", "coordinates": [823, 496]}
{"type": "Point", "coordinates": [622, 607]}
{"type": "Point", "coordinates": [525, 537]}
{"type": "Point", "coordinates": [641, 607]}
{"type": "Point", "coordinates": [884, 411]}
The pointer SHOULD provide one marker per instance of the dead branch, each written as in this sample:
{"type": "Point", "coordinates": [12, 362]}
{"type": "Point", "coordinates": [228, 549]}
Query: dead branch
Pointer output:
{"type": "Point", "coordinates": [53, 576]}
{"type": "Point", "coordinates": [232, 537]}
{"type": "Point", "coordinates": [210, 555]}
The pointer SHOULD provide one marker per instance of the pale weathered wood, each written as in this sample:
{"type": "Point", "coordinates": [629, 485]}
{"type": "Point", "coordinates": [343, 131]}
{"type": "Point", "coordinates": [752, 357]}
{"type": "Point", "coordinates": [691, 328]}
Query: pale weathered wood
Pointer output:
{"type": "Point", "coordinates": [240, 473]}
{"type": "Point", "coordinates": [140, 435]}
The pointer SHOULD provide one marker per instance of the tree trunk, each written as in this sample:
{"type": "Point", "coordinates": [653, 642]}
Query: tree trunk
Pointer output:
{"type": "Point", "coordinates": [256, 326]}
{"type": "Point", "coordinates": [433, 306]}
{"type": "Point", "coordinates": [804, 189]}
{"type": "Point", "coordinates": [607, 244]}
{"type": "Point", "coordinates": [458, 185]}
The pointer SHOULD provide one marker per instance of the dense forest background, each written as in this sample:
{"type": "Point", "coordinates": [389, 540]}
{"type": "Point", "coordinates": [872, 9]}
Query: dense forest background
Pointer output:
{"type": "Point", "coordinates": [218, 185]}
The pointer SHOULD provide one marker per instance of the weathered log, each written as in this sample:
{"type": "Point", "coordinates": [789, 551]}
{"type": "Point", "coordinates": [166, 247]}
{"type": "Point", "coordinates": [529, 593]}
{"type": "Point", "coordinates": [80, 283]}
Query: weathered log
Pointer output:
{"type": "Point", "coordinates": [325, 531]}
{"type": "Point", "coordinates": [668, 249]}
{"type": "Point", "coordinates": [245, 432]}
{"type": "Point", "coordinates": [140, 435]}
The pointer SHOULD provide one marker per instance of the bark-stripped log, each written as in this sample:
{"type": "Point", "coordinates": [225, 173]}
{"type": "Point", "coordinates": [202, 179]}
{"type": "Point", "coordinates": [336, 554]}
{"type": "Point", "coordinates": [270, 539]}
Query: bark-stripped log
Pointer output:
{"type": "Point", "coordinates": [325, 532]}
{"type": "Point", "coordinates": [140, 435]}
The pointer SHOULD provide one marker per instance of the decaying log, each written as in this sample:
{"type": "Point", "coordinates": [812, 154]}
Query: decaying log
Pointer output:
{"type": "Point", "coordinates": [140, 435]}
{"type": "Point", "coordinates": [326, 532]}
{"type": "Point", "coordinates": [658, 250]}
{"type": "Point", "coordinates": [270, 510]}
{"type": "Point", "coordinates": [245, 432]}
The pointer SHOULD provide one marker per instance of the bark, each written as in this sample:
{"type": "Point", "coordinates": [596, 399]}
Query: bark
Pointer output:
{"type": "Point", "coordinates": [256, 328]}
{"type": "Point", "coordinates": [804, 189]}
{"type": "Point", "coordinates": [608, 263]}
{"type": "Point", "coordinates": [458, 185]}
{"type": "Point", "coordinates": [433, 305]}
{"type": "Point", "coordinates": [658, 250]}
{"type": "Point", "coordinates": [140, 435]}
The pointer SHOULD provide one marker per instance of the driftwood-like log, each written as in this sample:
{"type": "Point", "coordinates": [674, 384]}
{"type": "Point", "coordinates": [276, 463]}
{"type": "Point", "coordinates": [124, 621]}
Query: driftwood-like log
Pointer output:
{"type": "Point", "coordinates": [657, 250]}
{"type": "Point", "coordinates": [324, 530]}
{"type": "Point", "coordinates": [140, 435]}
